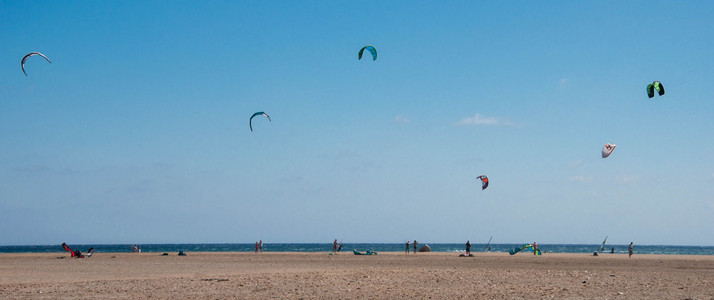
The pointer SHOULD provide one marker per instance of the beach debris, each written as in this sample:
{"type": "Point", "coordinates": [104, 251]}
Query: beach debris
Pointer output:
{"type": "Point", "coordinates": [655, 85]}
{"type": "Point", "coordinates": [369, 48]}
{"type": "Point", "coordinates": [620, 293]}
{"type": "Point", "coordinates": [24, 58]}
{"type": "Point", "coordinates": [215, 279]}
{"type": "Point", "coordinates": [164, 254]}
{"type": "Point", "coordinates": [260, 113]}
{"type": "Point", "coordinates": [606, 151]}
{"type": "Point", "coordinates": [484, 181]}
{"type": "Point", "coordinates": [425, 248]}
{"type": "Point", "coordinates": [181, 253]}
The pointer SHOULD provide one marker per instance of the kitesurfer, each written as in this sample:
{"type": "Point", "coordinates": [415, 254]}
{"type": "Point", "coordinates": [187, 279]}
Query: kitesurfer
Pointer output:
{"type": "Point", "coordinates": [612, 250]}
{"type": "Point", "coordinates": [629, 249]}
{"type": "Point", "coordinates": [334, 246]}
{"type": "Point", "coordinates": [260, 246]}
{"type": "Point", "coordinates": [407, 249]}
{"type": "Point", "coordinates": [415, 246]}
{"type": "Point", "coordinates": [535, 248]}
{"type": "Point", "coordinates": [468, 248]}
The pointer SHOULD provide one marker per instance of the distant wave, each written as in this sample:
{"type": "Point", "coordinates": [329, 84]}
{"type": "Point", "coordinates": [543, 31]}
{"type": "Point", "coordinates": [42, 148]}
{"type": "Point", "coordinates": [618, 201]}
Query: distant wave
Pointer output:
{"type": "Point", "coordinates": [327, 247]}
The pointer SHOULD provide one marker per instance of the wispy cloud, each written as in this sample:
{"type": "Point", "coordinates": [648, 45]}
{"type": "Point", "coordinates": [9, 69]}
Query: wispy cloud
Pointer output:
{"type": "Point", "coordinates": [402, 119]}
{"type": "Point", "coordinates": [478, 119]}
{"type": "Point", "coordinates": [563, 81]}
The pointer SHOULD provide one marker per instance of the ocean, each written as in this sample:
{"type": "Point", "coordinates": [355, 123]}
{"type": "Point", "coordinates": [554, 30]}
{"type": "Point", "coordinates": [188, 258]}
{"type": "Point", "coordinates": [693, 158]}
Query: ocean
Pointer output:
{"type": "Point", "coordinates": [347, 247]}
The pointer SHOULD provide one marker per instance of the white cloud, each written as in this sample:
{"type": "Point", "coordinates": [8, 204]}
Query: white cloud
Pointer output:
{"type": "Point", "coordinates": [480, 120]}
{"type": "Point", "coordinates": [402, 119]}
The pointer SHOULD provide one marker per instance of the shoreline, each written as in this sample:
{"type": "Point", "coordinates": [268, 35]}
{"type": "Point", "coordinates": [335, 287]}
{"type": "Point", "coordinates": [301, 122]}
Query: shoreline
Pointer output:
{"type": "Point", "coordinates": [453, 253]}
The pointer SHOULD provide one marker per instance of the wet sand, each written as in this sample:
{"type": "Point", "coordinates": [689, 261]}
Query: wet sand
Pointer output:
{"type": "Point", "coordinates": [385, 276]}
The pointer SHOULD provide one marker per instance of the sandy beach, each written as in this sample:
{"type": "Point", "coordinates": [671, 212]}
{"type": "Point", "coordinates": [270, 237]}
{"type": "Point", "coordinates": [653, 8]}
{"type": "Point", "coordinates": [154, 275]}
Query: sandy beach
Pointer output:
{"type": "Point", "coordinates": [387, 275]}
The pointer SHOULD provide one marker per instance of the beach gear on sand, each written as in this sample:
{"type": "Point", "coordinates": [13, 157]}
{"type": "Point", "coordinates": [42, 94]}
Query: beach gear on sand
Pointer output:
{"type": "Point", "coordinates": [78, 254]}
{"type": "Point", "coordinates": [368, 252]}
{"type": "Point", "coordinates": [526, 246]}
{"type": "Point", "coordinates": [425, 248]}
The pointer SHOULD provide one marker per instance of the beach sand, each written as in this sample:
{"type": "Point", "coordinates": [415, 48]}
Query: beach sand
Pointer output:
{"type": "Point", "coordinates": [225, 275]}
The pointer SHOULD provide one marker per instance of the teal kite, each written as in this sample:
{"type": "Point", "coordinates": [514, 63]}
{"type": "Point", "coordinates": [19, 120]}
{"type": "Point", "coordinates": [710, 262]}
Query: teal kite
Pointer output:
{"type": "Point", "coordinates": [526, 246]}
{"type": "Point", "coordinates": [371, 49]}
{"type": "Point", "coordinates": [655, 85]}
{"type": "Point", "coordinates": [250, 122]}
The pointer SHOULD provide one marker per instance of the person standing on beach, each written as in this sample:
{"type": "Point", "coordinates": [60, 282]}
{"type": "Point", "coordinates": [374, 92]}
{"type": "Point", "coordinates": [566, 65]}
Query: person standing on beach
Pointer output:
{"type": "Point", "coordinates": [334, 246]}
{"type": "Point", "coordinates": [256, 247]}
{"type": "Point", "coordinates": [415, 246]}
{"type": "Point", "coordinates": [260, 246]}
{"type": "Point", "coordinates": [407, 249]}
{"type": "Point", "coordinates": [535, 248]}
{"type": "Point", "coordinates": [630, 249]}
{"type": "Point", "coordinates": [468, 248]}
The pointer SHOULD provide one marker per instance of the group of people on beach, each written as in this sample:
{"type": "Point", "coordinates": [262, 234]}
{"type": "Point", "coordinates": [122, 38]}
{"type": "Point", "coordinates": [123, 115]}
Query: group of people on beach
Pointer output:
{"type": "Point", "coordinates": [259, 246]}
{"type": "Point", "coordinates": [416, 243]}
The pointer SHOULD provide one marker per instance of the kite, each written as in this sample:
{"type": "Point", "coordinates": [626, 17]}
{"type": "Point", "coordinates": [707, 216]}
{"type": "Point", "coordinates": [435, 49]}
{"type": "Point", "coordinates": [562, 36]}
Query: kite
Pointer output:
{"type": "Point", "coordinates": [22, 63]}
{"type": "Point", "coordinates": [526, 246]}
{"type": "Point", "coordinates": [607, 150]}
{"type": "Point", "coordinates": [371, 49]}
{"type": "Point", "coordinates": [655, 85]}
{"type": "Point", "coordinates": [250, 122]}
{"type": "Point", "coordinates": [484, 181]}
{"type": "Point", "coordinates": [78, 254]}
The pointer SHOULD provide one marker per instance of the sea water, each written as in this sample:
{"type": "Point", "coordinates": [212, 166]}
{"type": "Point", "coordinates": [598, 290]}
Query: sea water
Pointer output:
{"type": "Point", "coordinates": [347, 247]}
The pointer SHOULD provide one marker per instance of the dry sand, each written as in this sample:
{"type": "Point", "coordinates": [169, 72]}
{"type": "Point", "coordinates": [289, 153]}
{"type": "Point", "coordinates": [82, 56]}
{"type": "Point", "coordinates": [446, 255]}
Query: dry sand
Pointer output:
{"type": "Point", "coordinates": [385, 276]}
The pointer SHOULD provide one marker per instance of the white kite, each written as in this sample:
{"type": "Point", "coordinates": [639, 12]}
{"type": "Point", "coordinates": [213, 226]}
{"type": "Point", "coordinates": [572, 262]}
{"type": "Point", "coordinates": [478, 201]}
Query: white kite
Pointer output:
{"type": "Point", "coordinates": [607, 150]}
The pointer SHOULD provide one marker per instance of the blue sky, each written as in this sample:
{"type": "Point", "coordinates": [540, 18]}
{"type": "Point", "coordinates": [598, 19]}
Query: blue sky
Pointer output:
{"type": "Point", "coordinates": [137, 132]}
